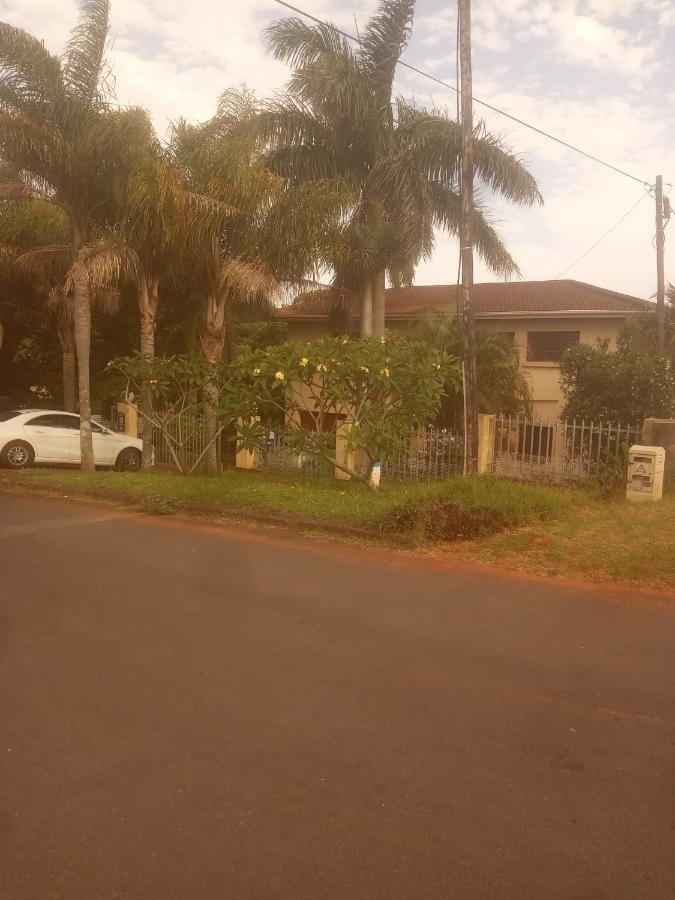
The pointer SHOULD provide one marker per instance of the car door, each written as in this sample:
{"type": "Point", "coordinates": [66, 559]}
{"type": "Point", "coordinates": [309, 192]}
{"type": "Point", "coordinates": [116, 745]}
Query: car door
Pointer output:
{"type": "Point", "coordinates": [105, 445]}
{"type": "Point", "coordinates": [103, 441]}
{"type": "Point", "coordinates": [50, 437]}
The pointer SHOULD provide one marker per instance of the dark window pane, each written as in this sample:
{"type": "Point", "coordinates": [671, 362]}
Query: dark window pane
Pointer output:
{"type": "Point", "coordinates": [70, 422]}
{"type": "Point", "coordinates": [48, 421]}
{"type": "Point", "coordinates": [548, 346]}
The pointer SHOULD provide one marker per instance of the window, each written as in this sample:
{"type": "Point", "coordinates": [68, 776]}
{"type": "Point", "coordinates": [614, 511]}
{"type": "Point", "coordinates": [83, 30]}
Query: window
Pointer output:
{"type": "Point", "coordinates": [52, 420]}
{"type": "Point", "coordinates": [507, 337]}
{"type": "Point", "coordinates": [7, 414]}
{"type": "Point", "coordinates": [549, 346]}
{"type": "Point", "coordinates": [72, 421]}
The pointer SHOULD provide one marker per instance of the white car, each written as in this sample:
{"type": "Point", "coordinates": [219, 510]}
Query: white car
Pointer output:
{"type": "Point", "coordinates": [52, 436]}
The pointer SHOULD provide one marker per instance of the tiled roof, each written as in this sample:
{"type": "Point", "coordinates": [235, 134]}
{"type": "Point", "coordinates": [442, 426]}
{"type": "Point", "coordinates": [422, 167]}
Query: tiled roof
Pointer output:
{"type": "Point", "coordinates": [546, 297]}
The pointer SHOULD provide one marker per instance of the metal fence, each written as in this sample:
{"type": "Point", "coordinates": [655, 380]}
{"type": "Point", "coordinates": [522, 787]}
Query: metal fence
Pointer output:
{"type": "Point", "coordinates": [431, 454]}
{"type": "Point", "coordinates": [559, 451]}
{"type": "Point", "coordinates": [277, 456]}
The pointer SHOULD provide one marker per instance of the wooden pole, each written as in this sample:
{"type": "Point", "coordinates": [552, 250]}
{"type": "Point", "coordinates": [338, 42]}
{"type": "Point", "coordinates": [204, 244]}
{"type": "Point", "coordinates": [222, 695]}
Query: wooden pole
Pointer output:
{"type": "Point", "coordinates": [466, 242]}
{"type": "Point", "coordinates": [660, 277]}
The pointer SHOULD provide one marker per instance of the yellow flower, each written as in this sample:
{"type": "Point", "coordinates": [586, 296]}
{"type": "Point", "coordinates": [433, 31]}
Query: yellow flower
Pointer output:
{"type": "Point", "coordinates": [256, 371]}
{"type": "Point", "coordinates": [279, 376]}
{"type": "Point", "coordinates": [438, 365]}
{"type": "Point", "coordinates": [382, 339]}
{"type": "Point", "coordinates": [385, 372]}
{"type": "Point", "coordinates": [365, 369]}
{"type": "Point", "coordinates": [321, 368]}
{"type": "Point", "coordinates": [304, 361]}
{"type": "Point", "coordinates": [345, 340]}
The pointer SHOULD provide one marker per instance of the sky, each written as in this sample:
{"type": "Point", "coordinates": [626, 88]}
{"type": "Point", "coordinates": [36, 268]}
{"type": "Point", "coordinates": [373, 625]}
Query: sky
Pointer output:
{"type": "Point", "coordinates": [599, 74]}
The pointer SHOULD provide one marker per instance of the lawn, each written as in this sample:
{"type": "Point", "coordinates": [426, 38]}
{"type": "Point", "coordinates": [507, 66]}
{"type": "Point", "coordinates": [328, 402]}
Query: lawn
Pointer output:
{"type": "Point", "coordinates": [574, 534]}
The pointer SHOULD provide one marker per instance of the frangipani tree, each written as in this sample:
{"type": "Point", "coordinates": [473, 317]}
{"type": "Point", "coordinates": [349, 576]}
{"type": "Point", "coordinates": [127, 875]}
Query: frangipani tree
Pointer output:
{"type": "Point", "coordinates": [394, 166]}
{"type": "Point", "coordinates": [373, 391]}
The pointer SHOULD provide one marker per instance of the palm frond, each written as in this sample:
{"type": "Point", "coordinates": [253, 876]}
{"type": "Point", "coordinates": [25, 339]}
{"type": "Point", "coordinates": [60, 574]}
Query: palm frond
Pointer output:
{"type": "Point", "coordinates": [292, 41]}
{"type": "Point", "coordinates": [104, 263]}
{"type": "Point", "coordinates": [49, 262]}
{"type": "Point", "coordinates": [246, 278]}
{"type": "Point", "coordinates": [83, 58]}
{"type": "Point", "coordinates": [486, 240]}
{"type": "Point", "coordinates": [501, 169]}
{"type": "Point", "coordinates": [31, 223]}
{"type": "Point", "coordinates": [30, 77]}
{"type": "Point", "coordinates": [33, 146]}
{"type": "Point", "coordinates": [60, 305]}
{"type": "Point", "coordinates": [383, 42]}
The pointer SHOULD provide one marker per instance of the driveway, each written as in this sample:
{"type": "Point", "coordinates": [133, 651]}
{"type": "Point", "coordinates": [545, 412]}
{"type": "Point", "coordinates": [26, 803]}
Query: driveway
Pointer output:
{"type": "Point", "coordinates": [195, 712]}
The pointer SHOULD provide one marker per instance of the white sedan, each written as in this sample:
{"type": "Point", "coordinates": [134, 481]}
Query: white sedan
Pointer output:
{"type": "Point", "coordinates": [52, 436]}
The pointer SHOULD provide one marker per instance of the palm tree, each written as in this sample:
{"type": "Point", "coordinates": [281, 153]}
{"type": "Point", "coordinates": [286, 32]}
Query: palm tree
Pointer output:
{"type": "Point", "coordinates": [395, 166]}
{"type": "Point", "coordinates": [70, 148]}
{"type": "Point", "coordinates": [228, 250]}
{"type": "Point", "coordinates": [158, 215]}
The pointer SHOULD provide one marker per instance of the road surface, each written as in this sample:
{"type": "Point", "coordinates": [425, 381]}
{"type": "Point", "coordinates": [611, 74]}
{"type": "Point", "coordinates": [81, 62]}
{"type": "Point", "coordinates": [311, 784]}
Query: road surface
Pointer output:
{"type": "Point", "coordinates": [195, 713]}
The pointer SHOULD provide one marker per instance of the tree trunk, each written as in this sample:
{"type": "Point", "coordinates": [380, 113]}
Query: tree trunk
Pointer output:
{"type": "Point", "coordinates": [68, 369]}
{"type": "Point", "coordinates": [366, 308]}
{"type": "Point", "coordinates": [82, 329]}
{"type": "Point", "coordinates": [148, 301]}
{"type": "Point", "coordinates": [378, 283]}
{"type": "Point", "coordinates": [212, 343]}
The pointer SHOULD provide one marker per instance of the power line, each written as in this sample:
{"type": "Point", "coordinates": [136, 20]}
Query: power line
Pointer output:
{"type": "Point", "coordinates": [452, 87]}
{"type": "Point", "coordinates": [606, 234]}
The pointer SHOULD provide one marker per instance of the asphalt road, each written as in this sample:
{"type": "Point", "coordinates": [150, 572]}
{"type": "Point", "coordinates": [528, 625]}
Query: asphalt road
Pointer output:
{"type": "Point", "coordinates": [192, 713]}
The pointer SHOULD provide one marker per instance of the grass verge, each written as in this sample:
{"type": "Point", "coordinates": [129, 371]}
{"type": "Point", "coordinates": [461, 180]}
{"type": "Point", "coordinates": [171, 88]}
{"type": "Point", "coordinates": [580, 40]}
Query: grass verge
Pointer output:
{"type": "Point", "coordinates": [596, 540]}
{"type": "Point", "coordinates": [458, 508]}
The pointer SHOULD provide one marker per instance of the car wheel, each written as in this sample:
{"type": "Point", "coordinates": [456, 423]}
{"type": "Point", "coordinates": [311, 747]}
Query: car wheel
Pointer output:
{"type": "Point", "coordinates": [130, 460]}
{"type": "Point", "coordinates": [16, 455]}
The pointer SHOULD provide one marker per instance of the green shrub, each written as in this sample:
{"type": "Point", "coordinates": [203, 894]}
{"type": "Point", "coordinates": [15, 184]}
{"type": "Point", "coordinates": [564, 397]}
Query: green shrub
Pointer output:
{"type": "Point", "coordinates": [464, 508]}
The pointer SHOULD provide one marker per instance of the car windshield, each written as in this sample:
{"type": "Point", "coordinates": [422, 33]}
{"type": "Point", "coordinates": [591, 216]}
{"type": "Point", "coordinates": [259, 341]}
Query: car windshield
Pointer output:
{"type": "Point", "coordinates": [7, 414]}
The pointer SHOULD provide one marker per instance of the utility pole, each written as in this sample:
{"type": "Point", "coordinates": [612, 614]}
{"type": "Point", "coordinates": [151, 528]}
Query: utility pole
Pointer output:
{"type": "Point", "coordinates": [660, 278]}
{"type": "Point", "coordinates": [466, 242]}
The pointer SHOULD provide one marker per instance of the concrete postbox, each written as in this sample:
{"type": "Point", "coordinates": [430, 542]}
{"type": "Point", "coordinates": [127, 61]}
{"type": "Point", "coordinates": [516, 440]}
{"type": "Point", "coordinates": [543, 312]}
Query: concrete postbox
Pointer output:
{"type": "Point", "coordinates": [645, 473]}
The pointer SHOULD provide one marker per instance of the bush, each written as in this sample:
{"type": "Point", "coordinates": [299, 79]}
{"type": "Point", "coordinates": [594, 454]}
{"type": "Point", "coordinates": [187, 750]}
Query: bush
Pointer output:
{"type": "Point", "coordinates": [624, 385]}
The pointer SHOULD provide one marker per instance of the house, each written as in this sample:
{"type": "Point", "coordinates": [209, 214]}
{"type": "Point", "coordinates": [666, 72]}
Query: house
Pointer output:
{"type": "Point", "coordinates": [542, 318]}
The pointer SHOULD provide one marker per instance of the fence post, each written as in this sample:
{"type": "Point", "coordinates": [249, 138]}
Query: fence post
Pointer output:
{"type": "Point", "coordinates": [245, 459]}
{"type": "Point", "coordinates": [130, 413]}
{"type": "Point", "coordinates": [486, 443]}
{"type": "Point", "coordinates": [342, 452]}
